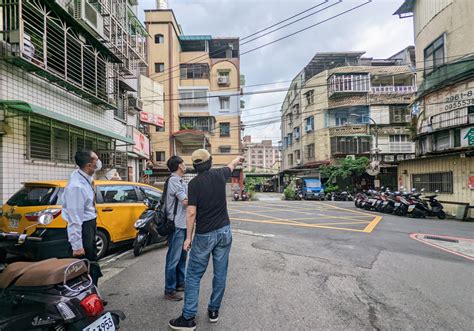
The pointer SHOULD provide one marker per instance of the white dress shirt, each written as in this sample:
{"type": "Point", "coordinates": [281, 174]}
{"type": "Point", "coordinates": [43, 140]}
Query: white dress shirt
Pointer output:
{"type": "Point", "coordinates": [78, 205]}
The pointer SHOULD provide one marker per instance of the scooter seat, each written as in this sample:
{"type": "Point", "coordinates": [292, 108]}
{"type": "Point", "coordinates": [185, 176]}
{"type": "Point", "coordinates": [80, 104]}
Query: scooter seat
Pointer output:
{"type": "Point", "coordinates": [42, 273]}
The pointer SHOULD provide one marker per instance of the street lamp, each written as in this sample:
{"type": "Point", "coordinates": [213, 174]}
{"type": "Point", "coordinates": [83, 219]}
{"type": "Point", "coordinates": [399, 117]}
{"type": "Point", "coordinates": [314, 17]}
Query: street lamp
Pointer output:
{"type": "Point", "coordinates": [376, 135]}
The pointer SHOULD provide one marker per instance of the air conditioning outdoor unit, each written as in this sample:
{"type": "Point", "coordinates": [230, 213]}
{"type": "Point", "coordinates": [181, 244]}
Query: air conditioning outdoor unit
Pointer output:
{"type": "Point", "coordinates": [134, 104]}
{"type": "Point", "coordinates": [223, 80]}
{"type": "Point", "coordinates": [298, 162]}
{"type": "Point", "coordinates": [85, 12]}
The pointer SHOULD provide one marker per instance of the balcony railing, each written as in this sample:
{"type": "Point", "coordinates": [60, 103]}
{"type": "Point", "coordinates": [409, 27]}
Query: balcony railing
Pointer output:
{"type": "Point", "coordinates": [393, 89]}
{"type": "Point", "coordinates": [403, 147]}
{"type": "Point", "coordinates": [446, 120]}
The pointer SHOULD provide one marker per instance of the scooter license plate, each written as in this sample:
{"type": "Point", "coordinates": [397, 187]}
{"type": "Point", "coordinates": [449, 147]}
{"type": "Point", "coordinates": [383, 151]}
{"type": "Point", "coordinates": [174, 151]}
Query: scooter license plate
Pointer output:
{"type": "Point", "coordinates": [411, 208]}
{"type": "Point", "coordinates": [104, 323]}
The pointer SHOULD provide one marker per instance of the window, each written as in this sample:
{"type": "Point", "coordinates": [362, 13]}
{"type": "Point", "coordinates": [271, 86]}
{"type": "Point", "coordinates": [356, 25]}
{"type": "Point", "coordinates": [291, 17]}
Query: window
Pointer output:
{"type": "Point", "coordinates": [197, 123]}
{"type": "Point", "coordinates": [442, 141]}
{"type": "Point", "coordinates": [193, 97]}
{"type": "Point", "coordinates": [309, 151]}
{"type": "Point", "coordinates": [298, 155]}
{"type": "Point", "coordinates": [55, 141]}
{"type": "Point", "coordinates": [398, 114]}
{"type": "Point", "coordinates": [160, 156]}
{"type": "Point", "coordinates": [159, 39]}
{"type": "Point", "coordinates": [290, 139]}
{"type": "Point", "coordinates": [224, 149]}
{"type": "Point", "coordinates": [434, 55]}
{"type": "Point", "coordinates": [350, 145]}
{"type": "Point", "coordinates": [457, 137]}
{"type": "Point", "coordinates": [289, 118]}
{"type": "Point", "coordinates": [309, 97]}
{"type": "Point", "coordinates": [224, 129]}
{"type": "Point", "coordinates": [296, 133]}
{"type": "Point", "coordinates": [296, 109]}
{"type": "Point", "coordinates": [118, 194]}
{"type": "Point", "coordinates": [341, 119]}
{"type": "Point", "coordinates": [153, 195]}
{"type": "Point", "coordinates": [441, 181]}
{"type": "Point", "coordinates": [159, 128]}
{"type": "Point", "coordinates": [224, 103]}
{"type": "Point", "coordinates": [397, 138]}
{"type": "Point", "coordinates": [309, 124]}
{"type": "Point", "coordinates": [290, 159]}
{"type": "Point", "coordinates": [159, 67]}
{"type": "Point", "coordinates": [194, 71]}
{"type": "Point", "coordinates": [33, 196]}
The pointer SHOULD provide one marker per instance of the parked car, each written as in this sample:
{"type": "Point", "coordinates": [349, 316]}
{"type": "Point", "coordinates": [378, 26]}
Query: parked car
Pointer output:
{"type": "Point", "coordinates": [119, 205]}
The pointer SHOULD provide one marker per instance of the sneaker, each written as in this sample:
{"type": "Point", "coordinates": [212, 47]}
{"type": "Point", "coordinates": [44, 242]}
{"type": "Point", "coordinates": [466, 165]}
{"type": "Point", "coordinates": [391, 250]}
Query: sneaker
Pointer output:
{"type": "Point", "coordinates": [213, 316]}
{"type": "Point", "coordinates": [180, 288]}
{"type": "Point", "coordinates": [173, 296]}
{"type": "Point", "coordinates": [182, 323]}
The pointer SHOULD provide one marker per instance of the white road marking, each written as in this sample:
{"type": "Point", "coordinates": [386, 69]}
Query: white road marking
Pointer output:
{"type": "Point", "coordinates": [113, 258]}
{"type": "Point", "coordinates": [109, 273]}
{"type": "Point", "coordinates": [250, 233]}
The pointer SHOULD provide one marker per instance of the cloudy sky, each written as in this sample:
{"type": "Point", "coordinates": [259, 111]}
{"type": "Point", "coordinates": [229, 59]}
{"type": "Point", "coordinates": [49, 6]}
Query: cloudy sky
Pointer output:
{"type": "Point", "coordinates": [371, 28]}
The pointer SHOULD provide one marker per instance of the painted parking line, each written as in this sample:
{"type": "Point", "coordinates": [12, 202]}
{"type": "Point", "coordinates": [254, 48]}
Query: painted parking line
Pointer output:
{"type": "Point", "coordinates": [354, 218]}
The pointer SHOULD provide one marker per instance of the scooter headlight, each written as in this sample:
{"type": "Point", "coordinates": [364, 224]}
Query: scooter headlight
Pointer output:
{"type": "Point", "coordinates": [140, 223]}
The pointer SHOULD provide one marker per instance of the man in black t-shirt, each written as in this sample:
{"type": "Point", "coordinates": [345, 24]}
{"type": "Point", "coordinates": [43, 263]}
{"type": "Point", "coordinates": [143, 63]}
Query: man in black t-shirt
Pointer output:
{"type": "Point", "coordinates": [207, 207]}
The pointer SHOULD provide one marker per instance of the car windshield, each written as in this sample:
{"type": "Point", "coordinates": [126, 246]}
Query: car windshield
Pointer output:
{"type": "Point", "coordinates": [313, 184]}
{"type": "Point", "coordinates": [34, 196]}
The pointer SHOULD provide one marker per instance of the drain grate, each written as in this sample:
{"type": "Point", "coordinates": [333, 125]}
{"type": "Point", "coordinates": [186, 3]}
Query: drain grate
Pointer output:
{"type": "Point", "coordinates": [441, 239]}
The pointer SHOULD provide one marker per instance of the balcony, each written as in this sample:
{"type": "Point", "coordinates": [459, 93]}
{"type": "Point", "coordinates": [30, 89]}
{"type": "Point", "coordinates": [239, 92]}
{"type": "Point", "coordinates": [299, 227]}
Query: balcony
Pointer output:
{"type": "Point", "coordinates": [349, 84]}
{"type": "Point", "coordinates": [349, 130]}
{"type": "Point", "coordinates": [446, 120]}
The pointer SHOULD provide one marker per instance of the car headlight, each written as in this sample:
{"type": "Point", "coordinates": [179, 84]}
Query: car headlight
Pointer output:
{"type": "Point", "coordinates": [139, 223]}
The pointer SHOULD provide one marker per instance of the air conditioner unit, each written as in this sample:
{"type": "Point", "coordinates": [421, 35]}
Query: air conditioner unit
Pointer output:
{"type": "Point", "coordinates": [134, 104]}
{"type": "Point", "coordinates": [298, 162]}
{"type": "Point", "coordinates": [389, 158]}
{"type": "Point", "coordinates": [352, 157]}
{"type": "Point", "coordinates": [223, 80]}
{"type": "Point", "coordinates": [91, 18]}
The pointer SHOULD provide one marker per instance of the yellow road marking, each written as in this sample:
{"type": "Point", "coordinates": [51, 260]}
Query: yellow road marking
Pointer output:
{"type": "Point", "coordinates": [369, 228]}
{"type": "Point", "coordinates": [294, 222]}
{"type": "Point", "coordinates": [304, 225]}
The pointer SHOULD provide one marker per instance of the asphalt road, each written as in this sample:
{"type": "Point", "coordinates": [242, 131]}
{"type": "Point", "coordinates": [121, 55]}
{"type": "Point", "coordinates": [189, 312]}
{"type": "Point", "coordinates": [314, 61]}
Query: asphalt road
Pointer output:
{"type": "Point", "coordinates": [314, 265]}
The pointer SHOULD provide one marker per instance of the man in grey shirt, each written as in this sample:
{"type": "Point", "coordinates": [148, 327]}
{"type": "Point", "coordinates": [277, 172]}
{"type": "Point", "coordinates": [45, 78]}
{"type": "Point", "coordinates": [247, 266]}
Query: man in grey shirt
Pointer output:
{"type": "Point", "coordinates": [176, 193]}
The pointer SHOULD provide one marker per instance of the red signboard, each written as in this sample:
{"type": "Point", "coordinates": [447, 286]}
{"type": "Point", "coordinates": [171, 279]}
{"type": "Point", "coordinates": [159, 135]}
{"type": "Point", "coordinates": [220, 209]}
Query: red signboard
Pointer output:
{"type": "Point", "coordinates": [471, 182]}
{"type": "Point", "coordinates": [152, 119]}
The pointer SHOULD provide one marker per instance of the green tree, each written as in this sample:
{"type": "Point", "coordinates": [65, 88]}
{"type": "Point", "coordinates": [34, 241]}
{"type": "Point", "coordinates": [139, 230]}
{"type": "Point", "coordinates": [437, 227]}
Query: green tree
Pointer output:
{"type": "Point", "coordinates": [344, 168]}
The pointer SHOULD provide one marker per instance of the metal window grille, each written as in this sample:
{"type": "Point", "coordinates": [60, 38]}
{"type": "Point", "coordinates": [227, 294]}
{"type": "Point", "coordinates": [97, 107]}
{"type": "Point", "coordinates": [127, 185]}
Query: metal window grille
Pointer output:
{"type": "Point", "coordinates": [432, 182]}
{"type": "Point", "coordinates": [54, 141]}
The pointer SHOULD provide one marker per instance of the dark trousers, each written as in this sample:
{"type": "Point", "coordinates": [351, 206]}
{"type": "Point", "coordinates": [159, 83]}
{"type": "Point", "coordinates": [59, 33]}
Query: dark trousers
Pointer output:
{"type": "Point", "coordinates": [89, 231]}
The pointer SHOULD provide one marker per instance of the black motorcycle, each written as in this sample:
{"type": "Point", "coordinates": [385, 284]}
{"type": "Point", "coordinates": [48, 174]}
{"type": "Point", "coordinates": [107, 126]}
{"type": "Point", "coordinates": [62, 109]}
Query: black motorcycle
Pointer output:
{"type": "Point", "coordinates": [147, 228]}
{"type": "Point", "coordinates": [436, 208]}
{"type": "Point", "coordinates": [53, 294]}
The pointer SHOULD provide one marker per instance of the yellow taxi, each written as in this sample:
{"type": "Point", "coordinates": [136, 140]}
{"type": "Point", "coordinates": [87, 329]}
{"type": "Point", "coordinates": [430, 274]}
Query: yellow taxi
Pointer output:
{"type": "Point", "coordinates": [119, 204]}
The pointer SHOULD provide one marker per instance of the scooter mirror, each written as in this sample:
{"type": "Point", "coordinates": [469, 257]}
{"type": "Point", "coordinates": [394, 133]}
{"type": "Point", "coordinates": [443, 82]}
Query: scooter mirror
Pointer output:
{"type": "Point", "coordinates": [422, 190]}
{"type": "Point", "coordinates": [45, 219]}
{"type": "Point", "coordinates": [147, 203]}
{"type": "Point", "coordinates": [437, 191]}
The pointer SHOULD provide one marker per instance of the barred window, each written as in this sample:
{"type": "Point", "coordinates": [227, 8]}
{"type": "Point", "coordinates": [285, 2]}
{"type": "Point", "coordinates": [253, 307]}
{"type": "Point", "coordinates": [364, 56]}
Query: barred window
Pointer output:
{"type": "Point", "coordinates": [441, 181]}
{"type": "Point", "coordinates": [55, 141]}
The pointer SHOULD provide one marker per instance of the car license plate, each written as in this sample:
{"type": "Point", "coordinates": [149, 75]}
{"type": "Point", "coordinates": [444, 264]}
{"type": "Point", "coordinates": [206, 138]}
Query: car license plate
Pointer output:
{"type": "Point", "coordinates": [13, 223]}
{"type": "Point", "coordinates": [411, 208]}
{"type": "Point", "coordinates": [104, 323]}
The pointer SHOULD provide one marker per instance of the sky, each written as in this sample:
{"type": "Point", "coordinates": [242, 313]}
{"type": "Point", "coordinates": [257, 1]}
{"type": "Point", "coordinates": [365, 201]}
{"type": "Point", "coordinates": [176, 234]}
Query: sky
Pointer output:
{"type": "Point", "coordinates": [371, 28]}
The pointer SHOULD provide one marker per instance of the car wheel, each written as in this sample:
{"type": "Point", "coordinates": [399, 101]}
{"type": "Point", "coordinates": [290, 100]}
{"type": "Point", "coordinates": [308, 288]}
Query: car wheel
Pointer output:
{"type": "Point", "coordinates": [102, 244]}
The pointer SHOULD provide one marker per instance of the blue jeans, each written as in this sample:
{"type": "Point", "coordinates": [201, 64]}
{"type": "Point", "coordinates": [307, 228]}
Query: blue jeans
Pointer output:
{"type": "Point", "coordinates": [175, 261]}
{"type": "Point", "coordinates": [218, 244]}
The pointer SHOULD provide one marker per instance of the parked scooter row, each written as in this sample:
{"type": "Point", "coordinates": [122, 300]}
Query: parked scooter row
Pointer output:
{"type": "Point", "coordinates": [339, 196]}
{"type": "Point", "coordinates": [53, 294]}
{"type": "Point", "coordinates": [401, 203]}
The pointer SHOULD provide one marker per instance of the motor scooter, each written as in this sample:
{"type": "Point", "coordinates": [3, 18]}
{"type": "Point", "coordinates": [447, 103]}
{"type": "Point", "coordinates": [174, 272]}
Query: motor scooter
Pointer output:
{"type": "Point", "coordinates": [147, 228]}
{"type": "Point", "coordinates": [53, 294]}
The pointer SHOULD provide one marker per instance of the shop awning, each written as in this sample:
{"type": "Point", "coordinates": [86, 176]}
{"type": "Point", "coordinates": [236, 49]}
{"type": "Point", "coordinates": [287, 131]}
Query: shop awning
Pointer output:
{"type": "Point", "coordinates": [32, 109]}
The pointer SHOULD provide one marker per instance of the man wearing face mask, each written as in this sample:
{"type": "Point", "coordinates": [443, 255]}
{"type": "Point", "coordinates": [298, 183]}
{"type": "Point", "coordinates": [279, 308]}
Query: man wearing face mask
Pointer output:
{"type": "Point", "coordinates": [176, 200]}
{"type": "Point", "coordinates": [79, 210]}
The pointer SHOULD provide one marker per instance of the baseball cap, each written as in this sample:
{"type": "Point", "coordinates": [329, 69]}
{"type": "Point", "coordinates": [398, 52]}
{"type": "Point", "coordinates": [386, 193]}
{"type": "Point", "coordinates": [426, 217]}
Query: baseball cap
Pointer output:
{"type": "Point", "coordinates": [200, 156]}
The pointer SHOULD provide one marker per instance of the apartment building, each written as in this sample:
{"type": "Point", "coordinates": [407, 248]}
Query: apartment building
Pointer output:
{"type": "Point", "coordinates": [68, 81]}
{"type": "Point", "coordinates": [201, 79]}
{"type": "Point", "coordinates": [444, 104]}
{"type": "Point", "coordinates": [345, 105]}
{"type": "Point", "coordinates": [260, 156]}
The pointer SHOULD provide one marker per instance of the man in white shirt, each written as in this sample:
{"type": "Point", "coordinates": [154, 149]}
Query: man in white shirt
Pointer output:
{"type": "Point", "coordinates": [79, 210]}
